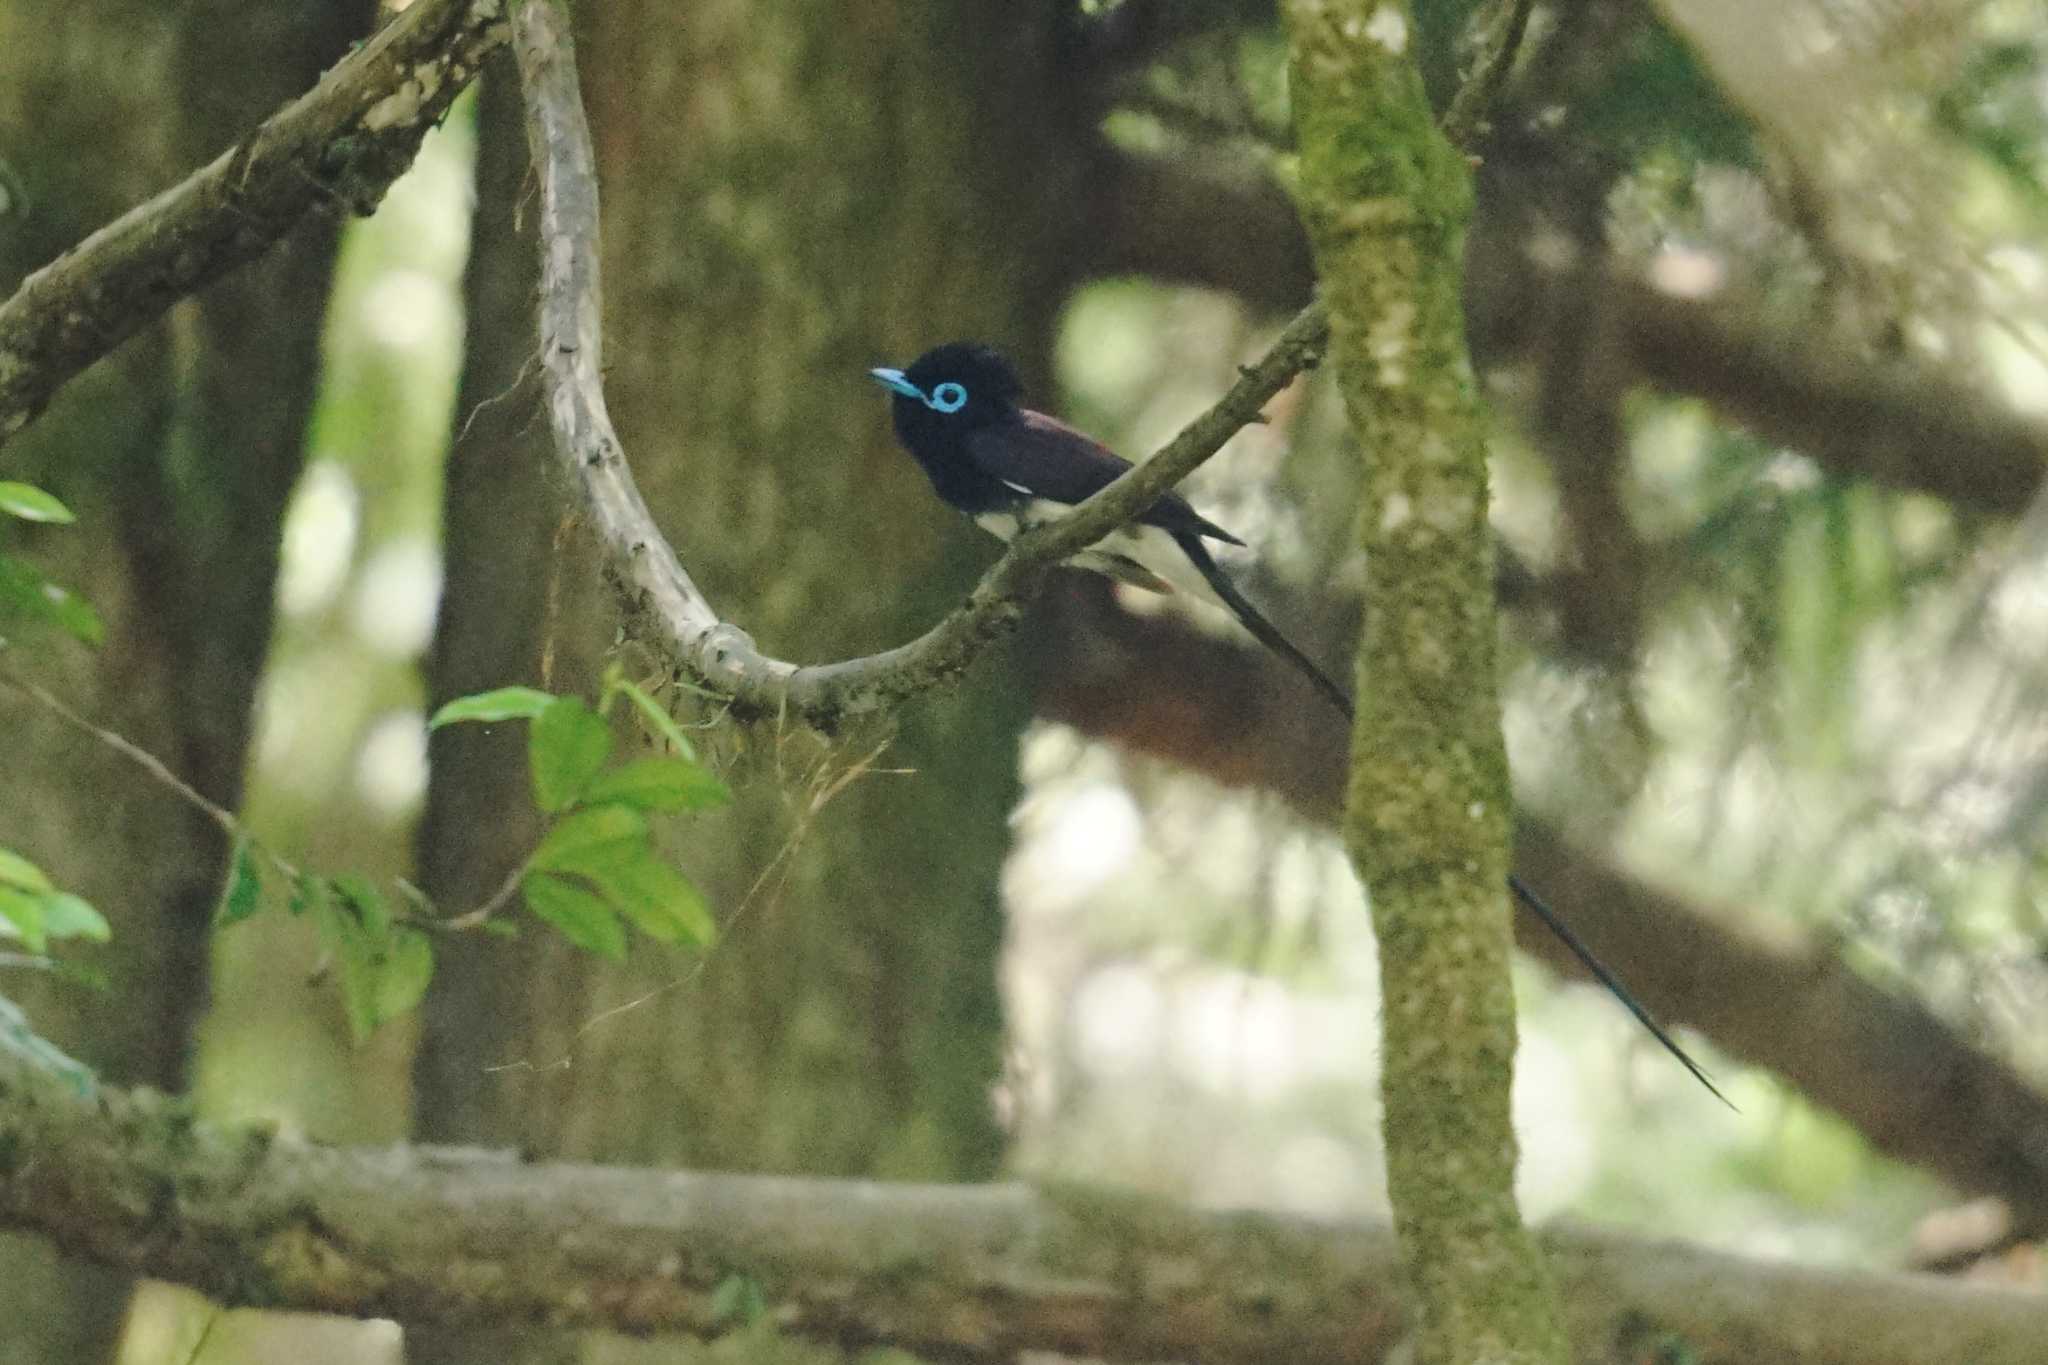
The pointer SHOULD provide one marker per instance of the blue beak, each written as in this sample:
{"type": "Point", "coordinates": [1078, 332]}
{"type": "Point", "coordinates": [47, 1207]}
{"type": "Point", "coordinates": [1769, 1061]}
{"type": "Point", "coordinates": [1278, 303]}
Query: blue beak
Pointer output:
{"type": "Point", "coordinates": [893, 379]}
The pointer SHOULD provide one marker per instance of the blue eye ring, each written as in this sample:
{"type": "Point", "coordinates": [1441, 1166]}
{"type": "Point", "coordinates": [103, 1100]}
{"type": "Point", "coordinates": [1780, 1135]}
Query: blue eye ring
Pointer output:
{"type": "Point", "coordinates": [947, 397]}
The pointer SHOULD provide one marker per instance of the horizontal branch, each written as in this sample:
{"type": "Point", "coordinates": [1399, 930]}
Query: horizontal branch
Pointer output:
{"type": "Point", "coordinates": [339, 146]}
{"type": "Point", "coordinates": [462, 1237]}
{"type": "Point", "coordinates": [666, 610]}
{"type": "Point", "coordinates": [1901, 425]}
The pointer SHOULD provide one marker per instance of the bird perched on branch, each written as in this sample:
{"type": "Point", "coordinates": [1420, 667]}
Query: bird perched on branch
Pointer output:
{"type": "Point", "coordinates": [957, 410]}
{"type": "Point", "coordinates": [1008, 467]}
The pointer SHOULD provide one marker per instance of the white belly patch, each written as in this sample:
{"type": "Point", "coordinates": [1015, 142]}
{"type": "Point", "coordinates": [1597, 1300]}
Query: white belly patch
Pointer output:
{"type": "Point", "coordinates": [1005, 524]}
{"type": "Point", "coordinates": [1002, 525]}
{"type": "Point", "coordinates": [1162, 565]}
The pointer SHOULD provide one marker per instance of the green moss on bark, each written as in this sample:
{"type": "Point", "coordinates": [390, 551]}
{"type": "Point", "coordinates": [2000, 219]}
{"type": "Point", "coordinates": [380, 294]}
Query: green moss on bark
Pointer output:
{"type": "Point", "coordinates": [1386, 199]}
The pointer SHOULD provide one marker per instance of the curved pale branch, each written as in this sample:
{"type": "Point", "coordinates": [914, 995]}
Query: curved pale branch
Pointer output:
{"type": "Point", "coordinates": [340, 145]}
{"type": "Point", "coordinates": [447, 1236]}
{"type": "Point", "coordinates": [667, 611]}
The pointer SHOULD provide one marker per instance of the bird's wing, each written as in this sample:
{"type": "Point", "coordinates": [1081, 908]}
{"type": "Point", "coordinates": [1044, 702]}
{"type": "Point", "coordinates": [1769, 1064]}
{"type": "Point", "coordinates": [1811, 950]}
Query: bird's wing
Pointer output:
{"type": "Point", "coordinates": [1047, 458]}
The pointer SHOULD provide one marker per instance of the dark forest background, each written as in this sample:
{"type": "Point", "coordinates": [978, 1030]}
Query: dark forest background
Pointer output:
{"type": "Point", "coordinates": [1756, 297]}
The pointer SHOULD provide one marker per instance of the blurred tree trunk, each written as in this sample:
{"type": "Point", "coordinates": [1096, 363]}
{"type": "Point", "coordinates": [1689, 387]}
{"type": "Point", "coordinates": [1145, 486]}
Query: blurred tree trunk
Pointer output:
{"type": "Point", "coordinates": [793, 194]}
{"type": "Point", "coordinates": [177, 454]}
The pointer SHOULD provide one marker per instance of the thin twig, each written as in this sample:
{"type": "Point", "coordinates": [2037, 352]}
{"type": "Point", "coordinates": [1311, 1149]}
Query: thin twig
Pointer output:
{"type": "Point", "coordinates": [499, 899]}
{"type": "Point", "coordinates": [236, 831]}
{"type": "Point", "coordinates": [1471, 109]}
{"type": "Point", "coordinates": [337, 147]}
{"type": "Point", "coordinates": [128, 748]}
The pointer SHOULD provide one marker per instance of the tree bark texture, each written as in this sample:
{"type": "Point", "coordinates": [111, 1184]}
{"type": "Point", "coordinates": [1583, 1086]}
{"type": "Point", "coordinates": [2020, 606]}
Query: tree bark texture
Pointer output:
{"type": "Point", "coordinates": [177, 453]}
{"type": "Point", "coordinates": [791, 195]}
{"type": "Point", "coordinates": [961, 1272]}
{"type": "Point", "coordinates": [1386, 200]}
{"type": "Point", "coordinates": [335, 148]}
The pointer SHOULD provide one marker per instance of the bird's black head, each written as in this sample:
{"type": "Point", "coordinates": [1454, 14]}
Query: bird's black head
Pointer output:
{"type": "Point", "coordinates": [949, 390]}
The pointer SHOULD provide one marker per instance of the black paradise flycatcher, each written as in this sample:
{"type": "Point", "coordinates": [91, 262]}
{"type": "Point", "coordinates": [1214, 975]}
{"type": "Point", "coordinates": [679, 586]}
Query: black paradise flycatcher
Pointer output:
{"type": "Point", "coordinates": [957, 412]}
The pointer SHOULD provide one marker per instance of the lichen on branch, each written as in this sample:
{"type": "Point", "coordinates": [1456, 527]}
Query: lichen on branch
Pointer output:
{"type": "Point", "coordinates": [338, 147]}
{"type": "Point", "coordinates": [1386, 196]}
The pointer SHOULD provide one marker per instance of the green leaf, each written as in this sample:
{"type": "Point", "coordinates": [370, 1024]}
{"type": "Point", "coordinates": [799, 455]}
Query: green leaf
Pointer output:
{"type": "Point", "coordinates": [569, 742]}
{"type": "Point", "coordinates": [361, 895]}
{"type": "Point", "coordinates": [504, 703]}
{"type": "Point", "coordinates": [72, 614]}
{"type": "Point", "coordinates": [30, 503]}
{"type": "Point", "coordinates": [354, 950]}
{"type": "Point", "coordinates": [243, 894]}
{"type": "Point", "coordinates": [608, 845]}
{"type": "Point", "coordinates": [38, 599]}
{"type": "Point", "coordinates": [658, 784]}
{"type": "Point", "coordinates": [308, 893]}
{"type": "Point", "coordinates": [68, 916]}
{"type": "Point", "coordinates": [737, 1300]}
{"type": "Point", "coordinates": [21, 916]}
{"type": "Point", "coordinates": [583, 918]}
{"type": "Point", "coordinates": [14, 198]}
{"type": "Point", "coordinates": [587, 837]}
{"type": "Point", "coordinates": [383, 972]}
{"type": "Point", "coordinates": [18, 871]}
{"type": "Point", "coordinates": [660, 901]}
{"type": "Point", "coordinates": [658, 718]}
{"type": "Point", "coordinates": [404, 968]}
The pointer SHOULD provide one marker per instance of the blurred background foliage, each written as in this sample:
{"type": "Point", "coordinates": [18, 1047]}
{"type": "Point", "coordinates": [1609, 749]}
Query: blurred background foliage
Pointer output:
{"type": "Point", "coordinates": [1802, 694]}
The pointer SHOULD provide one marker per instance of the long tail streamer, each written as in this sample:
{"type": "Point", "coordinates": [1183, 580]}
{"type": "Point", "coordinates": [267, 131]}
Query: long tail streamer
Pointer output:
{"type": "Point", "coordinates": [1268, 635]}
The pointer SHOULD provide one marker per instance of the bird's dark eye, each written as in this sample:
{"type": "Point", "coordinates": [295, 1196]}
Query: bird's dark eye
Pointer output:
{"type": "Point", "coordinates": [948, 397]}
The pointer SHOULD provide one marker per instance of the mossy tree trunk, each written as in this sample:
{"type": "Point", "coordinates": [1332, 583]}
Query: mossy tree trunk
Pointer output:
{"type": "Point", "coordinates": [1386, 199]}
{"type": "Point", "coordinates": [177, 454]}
{"type": "Point", "coordinates": [793, 193]}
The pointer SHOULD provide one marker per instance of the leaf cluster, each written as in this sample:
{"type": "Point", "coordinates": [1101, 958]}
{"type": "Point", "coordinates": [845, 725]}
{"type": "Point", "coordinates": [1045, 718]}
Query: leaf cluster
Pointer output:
{"type": "Point", "coordinates": [27, 597]}
{"type": "Point", "coordinates": [35, 911]}
{"type": "Point", "coordinates": [594, 873]}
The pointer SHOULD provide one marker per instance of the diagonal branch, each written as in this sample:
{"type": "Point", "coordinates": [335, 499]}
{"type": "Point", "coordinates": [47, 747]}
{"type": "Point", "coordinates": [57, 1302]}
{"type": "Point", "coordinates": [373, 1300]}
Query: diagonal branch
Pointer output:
{"type": "Point", "coordinates": [462, 1237]}
{"type": "Point", "coordinates": [1471, 108]}
{"type": "Point", "coordinates": [665, 607]}
{"type": "Point", "coordinates": [338, 146]}
{"type": "Point", "coordinates": [1916, 1087]}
